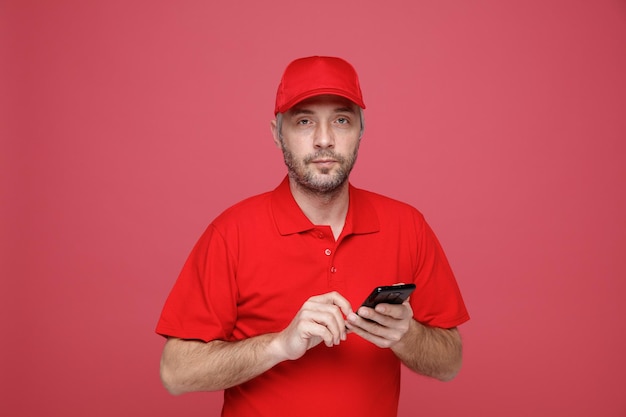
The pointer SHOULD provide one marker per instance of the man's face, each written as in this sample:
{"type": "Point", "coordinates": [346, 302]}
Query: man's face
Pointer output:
{"type": "Point", "coordinates": [320, 141]}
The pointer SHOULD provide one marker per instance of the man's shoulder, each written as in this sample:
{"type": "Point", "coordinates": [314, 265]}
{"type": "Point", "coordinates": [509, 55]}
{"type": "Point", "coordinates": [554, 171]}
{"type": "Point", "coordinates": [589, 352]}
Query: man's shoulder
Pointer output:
{"type": "Point", "coordinates": [246, 208]}
{"type": "Point", "coordinates": [386, 203]}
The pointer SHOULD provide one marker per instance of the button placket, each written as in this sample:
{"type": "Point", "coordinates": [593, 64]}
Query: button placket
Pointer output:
{"type": "Point", "coordinates": [335, 279]}
{"type": "Point", "coordinates": [328, 246]}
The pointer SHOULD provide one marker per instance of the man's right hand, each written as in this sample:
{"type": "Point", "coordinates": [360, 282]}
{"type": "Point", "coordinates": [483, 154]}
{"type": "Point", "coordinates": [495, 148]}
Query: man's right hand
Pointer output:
{"type": "Point", "coordinates": [320, 319]}
{"type": "Point", "coordinates": [193, 365]}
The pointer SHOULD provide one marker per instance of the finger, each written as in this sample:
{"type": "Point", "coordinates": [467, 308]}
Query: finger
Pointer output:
{"type": "Point", "coordinates": [336, 299]}
{"type": "Point", "coordinates": [336, 304]}
{"type": "Point", "coordinates": [368, 321]}
{"type": "Point", "coordinates": [396, 311]}
{"type": "Point", "coordinates": [380, 341]}
{"type": "Point", "coordinates": [379, 314]}
{"type": "Point", "coordinates": [373, 332]}
{"type": "Point", "coordinates": [315, 333]}
{"type": "Point", "coordinates": [382, 325]}
{"type": "Point", "coordinates": [369, 330]}
{"type": "Point", "coordinates": [330, 318]}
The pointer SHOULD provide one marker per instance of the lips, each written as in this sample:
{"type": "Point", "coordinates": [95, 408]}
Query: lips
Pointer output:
{"type": "Point", "coordinates": [324, 164]}
{"type": "Point", "coordinates": [324, 158]}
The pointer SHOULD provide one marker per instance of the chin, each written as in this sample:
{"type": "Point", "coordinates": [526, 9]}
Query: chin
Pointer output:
{"type": "Point", "coordinates": [327, 186]}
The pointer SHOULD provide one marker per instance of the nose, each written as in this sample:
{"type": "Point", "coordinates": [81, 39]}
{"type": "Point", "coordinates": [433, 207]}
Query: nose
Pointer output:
{"type": "Point", "coordinates": [324, 136]}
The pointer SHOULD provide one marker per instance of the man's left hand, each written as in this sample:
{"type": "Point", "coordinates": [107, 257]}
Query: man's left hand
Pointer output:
{"type": "Point", "coordinates": [384, 325]}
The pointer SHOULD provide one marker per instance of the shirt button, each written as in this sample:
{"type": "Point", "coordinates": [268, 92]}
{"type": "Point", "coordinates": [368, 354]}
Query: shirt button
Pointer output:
{"type": "Point", "coordinates": [320, 235]}
{"type": "Point", "coordinates": [328, 252]}
{"type": "Point", "coordinates": [333, 269]}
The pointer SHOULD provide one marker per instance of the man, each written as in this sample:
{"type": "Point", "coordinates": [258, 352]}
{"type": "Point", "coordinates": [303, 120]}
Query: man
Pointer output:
{"type": "Point", "coordinates": [264, 307]}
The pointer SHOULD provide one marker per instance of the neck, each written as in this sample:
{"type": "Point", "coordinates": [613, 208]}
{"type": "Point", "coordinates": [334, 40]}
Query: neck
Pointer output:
{"type": "Point", "coordinates": [323, 209]}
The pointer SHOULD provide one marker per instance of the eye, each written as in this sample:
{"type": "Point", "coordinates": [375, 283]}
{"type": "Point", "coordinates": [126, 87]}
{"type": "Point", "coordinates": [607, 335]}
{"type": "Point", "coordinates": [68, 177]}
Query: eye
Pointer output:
{"type": "Point", "coordinates": [343, 121]}
{"type": "Point", "coordinates": [304, 122]}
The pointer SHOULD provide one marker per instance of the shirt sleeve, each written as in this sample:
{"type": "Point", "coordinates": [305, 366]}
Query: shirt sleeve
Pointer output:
{"type": "Point", "coordinates": [202, 305]}
{"type": "Point", "coordinates": [437, 300]}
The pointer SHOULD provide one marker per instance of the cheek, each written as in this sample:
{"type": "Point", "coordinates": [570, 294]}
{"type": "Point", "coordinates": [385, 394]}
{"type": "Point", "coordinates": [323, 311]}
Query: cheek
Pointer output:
{"type": "Point", "coordinates": [295, 147]}
{"type": "Point", "coordinates": [351, 146]}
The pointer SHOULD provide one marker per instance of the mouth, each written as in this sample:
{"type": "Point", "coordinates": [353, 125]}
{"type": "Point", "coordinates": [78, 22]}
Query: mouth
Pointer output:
{"type": "Point", "coordinates": [323, 160]}
{"type": "Point", "coordinates": [323, 163]}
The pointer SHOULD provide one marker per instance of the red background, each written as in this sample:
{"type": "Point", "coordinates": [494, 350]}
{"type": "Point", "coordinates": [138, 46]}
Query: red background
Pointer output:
{"type": "Point", "coordinates": [128, 125]}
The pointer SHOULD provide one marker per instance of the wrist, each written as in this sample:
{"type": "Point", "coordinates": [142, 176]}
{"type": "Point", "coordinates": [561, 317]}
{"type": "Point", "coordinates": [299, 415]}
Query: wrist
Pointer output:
{"type": "Point", "coordinates": [408, 341]}
{"type": "Point", "coordinates": [275, 349]}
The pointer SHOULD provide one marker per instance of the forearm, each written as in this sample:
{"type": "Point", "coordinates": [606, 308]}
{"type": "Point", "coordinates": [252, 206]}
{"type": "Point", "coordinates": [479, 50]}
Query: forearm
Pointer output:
{"type": "Point", "coordinates": [188, 366]}
{"type": "Point", "coordinates": [197, 366]}
{"type": "Point", "coordinates": [431, 351]}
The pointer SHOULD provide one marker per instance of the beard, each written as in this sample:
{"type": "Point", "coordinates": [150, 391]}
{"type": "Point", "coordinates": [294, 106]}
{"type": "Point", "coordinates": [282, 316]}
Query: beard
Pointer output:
{"type": "Point", "coordinates": [324, 181]}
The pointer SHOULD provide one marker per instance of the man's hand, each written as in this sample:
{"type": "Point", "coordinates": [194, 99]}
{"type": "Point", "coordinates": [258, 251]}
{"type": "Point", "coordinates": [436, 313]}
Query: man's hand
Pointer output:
{"type": "Point", "coordinates": [385, 325]}
{"type": "Point", "coordinates": [192, 365]}
{"type": "Point", "coordinates": [320, 319]}
{"type": "Point", "coordinates": [429, 351]}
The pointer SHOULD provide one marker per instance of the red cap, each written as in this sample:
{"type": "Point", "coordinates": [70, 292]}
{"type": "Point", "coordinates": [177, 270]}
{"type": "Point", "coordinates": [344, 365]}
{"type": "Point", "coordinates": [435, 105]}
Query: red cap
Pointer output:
{"type": "Point", "coordinates": [314, 76]}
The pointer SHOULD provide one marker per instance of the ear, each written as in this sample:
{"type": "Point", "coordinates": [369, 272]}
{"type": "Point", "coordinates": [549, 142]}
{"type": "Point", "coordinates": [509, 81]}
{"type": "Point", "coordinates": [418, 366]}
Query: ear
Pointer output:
{"type": "Point", "coordinates": [275, 134]}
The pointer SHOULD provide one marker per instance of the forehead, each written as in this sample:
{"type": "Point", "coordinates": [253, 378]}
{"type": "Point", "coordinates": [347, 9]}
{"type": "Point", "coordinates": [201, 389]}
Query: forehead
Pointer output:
{"type": "Point", "coordinates": [326, 102]}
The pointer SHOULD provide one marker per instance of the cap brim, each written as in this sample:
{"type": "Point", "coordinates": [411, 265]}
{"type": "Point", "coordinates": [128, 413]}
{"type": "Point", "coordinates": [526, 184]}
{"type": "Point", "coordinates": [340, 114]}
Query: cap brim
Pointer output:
{"type": "Point", "coordinates": [319, 92]}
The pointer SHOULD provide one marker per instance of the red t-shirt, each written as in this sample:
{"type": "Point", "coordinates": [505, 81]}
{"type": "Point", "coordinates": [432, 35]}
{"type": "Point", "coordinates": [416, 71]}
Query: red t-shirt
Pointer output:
{"type": "Point", "coordinates": [261, 259]}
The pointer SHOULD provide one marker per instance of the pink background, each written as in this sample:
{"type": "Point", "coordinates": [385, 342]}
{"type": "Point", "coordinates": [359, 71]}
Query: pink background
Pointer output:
{"type": "Point", "coordinates": [128, 125]}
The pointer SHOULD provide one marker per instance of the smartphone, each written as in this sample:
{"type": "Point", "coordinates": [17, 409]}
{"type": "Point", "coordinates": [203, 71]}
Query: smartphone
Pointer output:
{"type": "Point", "coordinates": [390, 294]}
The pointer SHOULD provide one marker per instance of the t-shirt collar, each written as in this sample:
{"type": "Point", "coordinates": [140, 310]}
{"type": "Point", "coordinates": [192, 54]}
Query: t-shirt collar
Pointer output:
{"type": "Point", "coordinates": [289, 218]}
